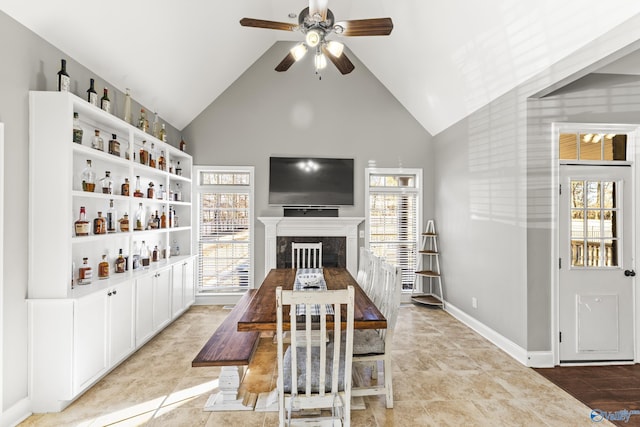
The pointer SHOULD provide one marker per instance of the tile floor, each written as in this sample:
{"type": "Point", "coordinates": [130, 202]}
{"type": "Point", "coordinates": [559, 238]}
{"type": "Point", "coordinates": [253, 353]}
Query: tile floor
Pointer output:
{"type": "Point", "coordinates": [445, 375]}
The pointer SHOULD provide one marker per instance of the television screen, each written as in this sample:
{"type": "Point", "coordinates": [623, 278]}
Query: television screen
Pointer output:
{"type": "Point", "coordinates": [308, 181]}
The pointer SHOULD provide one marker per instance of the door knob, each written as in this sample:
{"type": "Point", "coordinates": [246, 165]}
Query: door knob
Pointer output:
{"type": "Point", "coordinates": [629, 273]}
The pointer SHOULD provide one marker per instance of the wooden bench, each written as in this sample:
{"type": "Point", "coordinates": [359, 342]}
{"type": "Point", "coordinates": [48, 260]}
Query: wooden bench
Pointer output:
{"type": "Point", "coordinates": [232, 350]}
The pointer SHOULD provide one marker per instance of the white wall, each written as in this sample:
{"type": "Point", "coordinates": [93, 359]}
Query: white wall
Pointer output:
{"type": "Point", "coordinates": [28, 63]}
{"type": "Point", "coordinates": [266, 113]}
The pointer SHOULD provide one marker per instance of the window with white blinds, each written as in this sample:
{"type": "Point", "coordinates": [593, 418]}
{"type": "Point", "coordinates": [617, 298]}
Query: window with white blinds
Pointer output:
{"type": "Point", "coordinates": [225, 229]}
{"type": "Point", "coordinates": [393, 209]}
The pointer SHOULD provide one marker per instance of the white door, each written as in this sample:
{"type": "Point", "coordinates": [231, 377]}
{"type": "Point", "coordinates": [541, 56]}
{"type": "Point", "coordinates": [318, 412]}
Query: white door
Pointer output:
{"type": "Point", "coordinates": [596, 265]}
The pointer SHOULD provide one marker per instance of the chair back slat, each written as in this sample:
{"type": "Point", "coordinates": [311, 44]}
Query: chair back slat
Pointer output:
{"type": "Point", "coordinates": [306, 255]}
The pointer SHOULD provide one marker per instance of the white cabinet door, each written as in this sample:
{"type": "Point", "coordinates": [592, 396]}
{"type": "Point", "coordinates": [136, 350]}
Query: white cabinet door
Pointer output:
{"type": "Point", "coordinates": [177, 296]}
{"type": "Point", "coordinates": [90, 339]}
{"type": "Point", "coordinates": [144, 309]}
{"type": "Point", "coordinates": [162, 298]}
{"type": "Point", "coordinates": [121, 313]}
{"type": "Point", "coordinates": [189, 282]}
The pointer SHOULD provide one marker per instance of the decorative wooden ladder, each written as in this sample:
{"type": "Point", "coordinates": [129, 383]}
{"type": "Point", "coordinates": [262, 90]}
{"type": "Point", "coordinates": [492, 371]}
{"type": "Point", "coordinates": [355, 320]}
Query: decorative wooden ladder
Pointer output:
{"type": "Point", "coordinates": [429, 270]}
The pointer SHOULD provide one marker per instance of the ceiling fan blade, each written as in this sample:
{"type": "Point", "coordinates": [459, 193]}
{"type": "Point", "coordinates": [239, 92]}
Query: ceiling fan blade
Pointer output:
{"type": "Point", "coordinates": [342, 63]}
{"type": "Point", "coordinates": [318, 6]}
{"type": "Point", "coordinates": [287, 62]}
{"type": "Point", "coordinates": [366, 27]}
{"type": "Point", "coordinates": [271, 25]}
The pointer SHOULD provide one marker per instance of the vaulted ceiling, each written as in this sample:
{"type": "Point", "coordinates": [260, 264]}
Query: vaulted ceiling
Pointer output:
{"type": "Point", "coordinates": [443, 60]}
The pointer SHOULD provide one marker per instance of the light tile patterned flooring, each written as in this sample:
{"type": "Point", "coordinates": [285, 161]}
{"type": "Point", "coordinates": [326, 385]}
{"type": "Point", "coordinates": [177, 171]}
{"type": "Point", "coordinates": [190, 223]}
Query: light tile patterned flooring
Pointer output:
{"type": "Point", "coordinates": [444, 375]}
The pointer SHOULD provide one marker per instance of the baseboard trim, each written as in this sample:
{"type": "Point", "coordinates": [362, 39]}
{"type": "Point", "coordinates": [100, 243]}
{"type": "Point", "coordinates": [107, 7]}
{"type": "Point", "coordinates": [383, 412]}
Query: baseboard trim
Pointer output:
{"type": "Point", "coordinates": [537, 359]}
{"type": "Point", "coordinates": [16, 413]}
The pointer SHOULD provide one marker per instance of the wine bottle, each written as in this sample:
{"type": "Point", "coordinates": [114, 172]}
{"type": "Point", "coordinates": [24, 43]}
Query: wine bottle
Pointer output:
{"type": "Point", "coordinates": [150, 191]}
{"type": "Point", "coordinates": [77, 129]}
{"type": "Point", "coordinates": [144, 154]}
{"type": "Point", "coordinates": [143, 124]}
{"type": "Point", "coordinates": [137, 191]}
{"type": "Point", "coordinates": [82, 225]}
{"type": "Point", "coordinates": [139, 226]}
{"type": "Point", "coordinates": [92, 95]}
{"type": "Point", "coordinates": [183, 145]}
{"type": "Point", "coordinates": [178, 169]}
{"type": "Point", "coordinates": [99, 224]}
{"type": "Point", "coordinates": [163, 134]}
{"type": "Point", "coordinates": [162, 164]}
{"type": "Point", "coordinates": [156, 126]}
{"type": "Point", "coordinates": [152, 156]}
{"type": "Point", "coordinates": [163, 219]}
{"type": "Point", "coordinates": [105, 102]}
{"type": "Point", "coordinates": [64, 81]}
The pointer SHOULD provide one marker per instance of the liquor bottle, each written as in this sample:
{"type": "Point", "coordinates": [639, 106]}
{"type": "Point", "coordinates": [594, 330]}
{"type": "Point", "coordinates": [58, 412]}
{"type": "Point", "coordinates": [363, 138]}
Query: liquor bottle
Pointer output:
{"type": "Point", "coordinates": [77, 129]}
{"type": "Point", "coordinates": [126, 153]}
{"type": "Point", "coordinates": [114, 145]}
{"type": "Point", "coordinates": [105, 102]}
{"type": "Point", "coordinates": [64, 81]}
{"type": "Point", "coordinates": [175, 249]}
{"type": "Point", "coordinates": [138, 192]}
{"type": "Point", "coordinates": [85, 273]}
{"type": "Point", "coordinates": [124, 188]}
{"type": "Point", "coordinates": [97, 142]}
{"type": "Point", "coordinates": [107, 183]}
{"type": "Point", "coordinates": [135, 257]}
{"type": "Point", "coordinates": [179, 169]}
{"type": "Point", "coordinates": [183, 145]}
{"type": "Point", "coordinates": [144, 154]}
{"type": "Point", "coordinates": [152, 156]}
{"type": "Point", "coordinates": [82, 225]}
{"type": "Point", "coordinates": [170, 217]}
{"type": "Point", "coordinates": [151, 223]}
{"type": "Point", "coordinates": [144, 255]}
{"type": "Point", "coordinates": [92, 95]}
{"type": "Point", "coordinates": [111, 218]}
{"type": "Point", "coordinates": [120, 264]}
{"type": "Point", "coordinates": [177, 195]}
{"type": "Point", "coordinates": [155, 131]}
{"type": "Point", "coordinates": [150, 191]}
{"type": "Point", "coordinates": [103, 268]}
{"type": "Point", "coordinates": [160, 192]}
{"type": "Point", "coordinates": [163, 134]}
{"type": "Point", "coordinates": [175, 219]}
{"type": "Point", "coordinates": [88, 178]}
{"type": "Point", "coordinates": [124, 223]}
{"type": "Point", "coordinates": [99, 224]}
{"type": "Point", "coordinates": [143, 124]}
{"type": "Point", "coordinates": [139, 225]}
{"type": "Point", "coordinates": [156, 218]}
{"type": "Point", "coordinates": [163, 219]}
{"type": "Point", "coordinates": [162, 164]}
{"type": "Point", "coordinates": [127, 107]}
{"type": "Point", "coordinates": [155, 255]}
{"type": "Point", "coordinates": [171, 166]}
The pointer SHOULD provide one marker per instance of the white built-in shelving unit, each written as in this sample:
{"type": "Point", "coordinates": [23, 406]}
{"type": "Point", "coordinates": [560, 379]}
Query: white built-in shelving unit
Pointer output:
{"type": "Point", "coordinates": [79, 332]}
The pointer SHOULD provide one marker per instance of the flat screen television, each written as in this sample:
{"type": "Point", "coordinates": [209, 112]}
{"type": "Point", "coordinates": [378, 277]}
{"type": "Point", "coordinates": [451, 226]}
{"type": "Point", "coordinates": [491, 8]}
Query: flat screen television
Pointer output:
{"type": "Point", "coordinates": [310, 181]}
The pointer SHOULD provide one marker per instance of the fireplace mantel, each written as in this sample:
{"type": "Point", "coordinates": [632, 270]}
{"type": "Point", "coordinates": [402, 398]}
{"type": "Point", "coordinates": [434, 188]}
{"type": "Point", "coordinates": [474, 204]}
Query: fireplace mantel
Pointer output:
{"type": "Point", "coordinates": [312, 227]}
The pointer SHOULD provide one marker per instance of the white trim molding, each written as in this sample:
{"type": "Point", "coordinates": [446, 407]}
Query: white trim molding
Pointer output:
{"type": "Point", "coordinates": [533, 359]}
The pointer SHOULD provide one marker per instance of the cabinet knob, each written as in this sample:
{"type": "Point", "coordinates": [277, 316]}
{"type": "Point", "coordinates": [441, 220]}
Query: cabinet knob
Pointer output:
{"type": "Point", "coordinates": [109, 294]}
{"type": "Point", "coordinates": [115, 292]}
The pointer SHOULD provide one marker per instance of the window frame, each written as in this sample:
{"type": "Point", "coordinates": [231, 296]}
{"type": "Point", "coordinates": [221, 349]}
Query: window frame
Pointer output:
{"type": "Point", "coordinates": [417, 190]}
{"type": "Point", "coordinates": [245, 189]}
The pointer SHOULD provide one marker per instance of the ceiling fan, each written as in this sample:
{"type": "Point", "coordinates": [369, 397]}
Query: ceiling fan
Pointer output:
{"type": "Point", "coordinates": [317, 22]}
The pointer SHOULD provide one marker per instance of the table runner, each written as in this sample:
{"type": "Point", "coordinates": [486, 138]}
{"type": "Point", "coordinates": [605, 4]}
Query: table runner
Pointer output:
{"type": "Point", "coordinates": [309, 280]}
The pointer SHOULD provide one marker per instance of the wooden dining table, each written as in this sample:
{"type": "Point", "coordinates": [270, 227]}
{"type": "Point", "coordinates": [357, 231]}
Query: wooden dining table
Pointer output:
{"type": "Point", "coordinates": [260, 314]}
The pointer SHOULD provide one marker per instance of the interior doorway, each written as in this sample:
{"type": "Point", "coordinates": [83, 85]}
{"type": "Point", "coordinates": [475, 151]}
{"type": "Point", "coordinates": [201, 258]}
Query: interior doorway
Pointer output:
{"type": "Point", "coordinates": [595, 299]}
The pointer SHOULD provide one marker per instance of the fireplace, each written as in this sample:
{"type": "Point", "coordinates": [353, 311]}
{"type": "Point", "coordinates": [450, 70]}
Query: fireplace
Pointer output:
{"type": "Point", "coordinates": [312, 229]}
{"type": "Point", "coordinates": [334, 250]}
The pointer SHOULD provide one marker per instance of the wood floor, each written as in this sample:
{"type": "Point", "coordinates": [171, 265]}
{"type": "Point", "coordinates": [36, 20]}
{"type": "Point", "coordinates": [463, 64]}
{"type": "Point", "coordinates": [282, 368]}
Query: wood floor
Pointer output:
{"type": "Point", "coordinates": [613, 389]}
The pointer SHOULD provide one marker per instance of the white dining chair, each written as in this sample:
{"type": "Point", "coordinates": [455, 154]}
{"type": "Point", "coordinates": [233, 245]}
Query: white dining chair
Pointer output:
{"type": "Point", "coordinates": [370, 345]}
{"type": "Point", "coordinates": [317, 375]}
{"type": "Point", "coordinates": [306, 255]}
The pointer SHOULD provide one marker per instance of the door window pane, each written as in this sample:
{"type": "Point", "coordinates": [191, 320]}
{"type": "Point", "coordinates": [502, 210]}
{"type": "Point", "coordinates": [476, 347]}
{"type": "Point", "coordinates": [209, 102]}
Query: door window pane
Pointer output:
{"type": "Point", "coordinates": [590, 146]}
{"type": "Point", "coordinates": [568, 146]}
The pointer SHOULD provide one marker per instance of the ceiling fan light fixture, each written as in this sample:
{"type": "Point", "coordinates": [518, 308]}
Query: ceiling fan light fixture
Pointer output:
{"type": "Point", "coordinates": [320, 61]}
{"type": "Point", "coordinates": [298, 51]}
{"type": "Point", "coordinates": [335, 48]}
{"type": "Point", "coordinates": [312, 38]}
